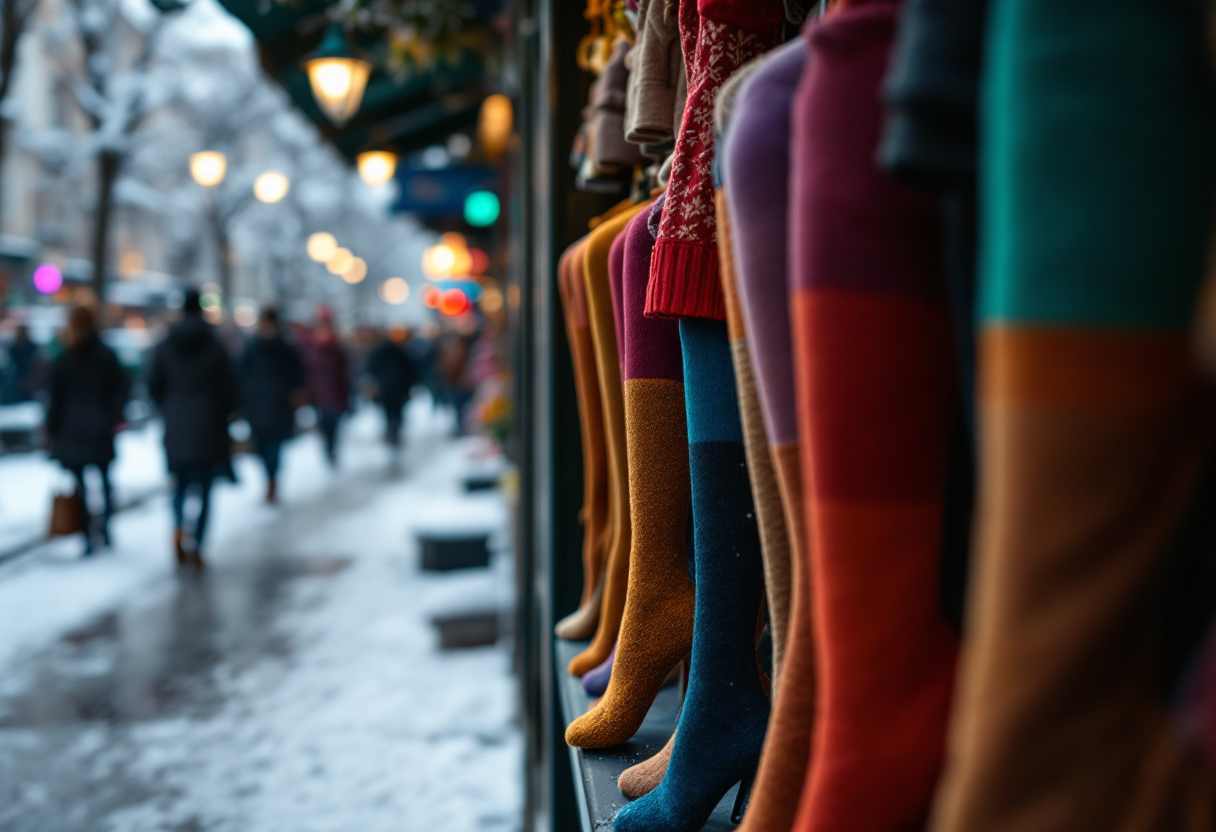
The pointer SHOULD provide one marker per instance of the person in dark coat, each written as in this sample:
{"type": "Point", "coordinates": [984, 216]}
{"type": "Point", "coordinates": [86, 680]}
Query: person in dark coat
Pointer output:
{"type": "Point", "coordinates": [328, 383]}
{"type": "Point", "coordinates": [22, 378]}
{"type": "Point", "coordinates": [393, 373]}
{"type": "Point", "coordinates": [88, 392]}
{"type": "Point", "coordinates": [272, 375]}
{"type": "Point", "coordinates": [193, 382]}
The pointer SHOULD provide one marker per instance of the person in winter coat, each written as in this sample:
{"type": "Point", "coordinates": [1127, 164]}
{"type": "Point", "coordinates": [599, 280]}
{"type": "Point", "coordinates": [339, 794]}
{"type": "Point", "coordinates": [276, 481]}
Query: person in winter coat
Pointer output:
{"type": "Point", "coordinates": [22, 377]}
{"type": "Point", "coordinates": [328, 383]}
{"type": "Point", "coordinates": [192, 380]}
{"type": "Point", "coordinates": [393, 373]}
{"type": "Point", "coordinates": [88, 391]}
{"type": "Point", "coordinates": [272, 375]}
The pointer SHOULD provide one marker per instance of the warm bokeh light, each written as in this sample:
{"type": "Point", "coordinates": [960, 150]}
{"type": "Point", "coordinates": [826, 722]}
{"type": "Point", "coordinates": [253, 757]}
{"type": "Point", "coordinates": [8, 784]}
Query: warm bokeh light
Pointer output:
{"type": "Point", "coordinates": [431, 297]}
{"type": "Point", "coordinates": [338, 85]}
{"type": "Point", "coordinates": [437, 261]}
{"type": "Point", "coordinates": [395, 291]}
{"type": "Point", "coordinates": [494, 124]}
{"type": "Point", "coordinates": [271, 186]}
{"type": "Point", "coordinates": [376, 167]}
{"type": "Point", "coordinates": [245, 316]}
{"type": "Point", "coordinates": [339, 261]}
{"type": "Point", "coordinates": [356, 271]}
{"type": "Point", "coordinates": [208, 167]}
{"type": "Point", "coordinates": [491, 300]}
{"type": "Point", "coordinates": [321, 246]}
{"type": "Point", "coordinates": [453, 302]}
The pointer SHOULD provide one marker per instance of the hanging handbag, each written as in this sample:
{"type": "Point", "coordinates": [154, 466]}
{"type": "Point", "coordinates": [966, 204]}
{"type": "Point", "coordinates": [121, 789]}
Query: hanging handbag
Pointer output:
{"type": "Point", "coordinates": [66, 516]}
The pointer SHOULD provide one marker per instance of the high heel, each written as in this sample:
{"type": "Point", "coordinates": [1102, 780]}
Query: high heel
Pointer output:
{"type": "Point", "coordinates": [745, 790]}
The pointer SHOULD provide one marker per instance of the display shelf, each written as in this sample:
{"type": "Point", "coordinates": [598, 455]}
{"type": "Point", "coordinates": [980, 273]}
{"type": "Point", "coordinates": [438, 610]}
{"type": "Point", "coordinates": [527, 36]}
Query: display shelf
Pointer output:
{"type": "Point", "coordinates": [595, 771]}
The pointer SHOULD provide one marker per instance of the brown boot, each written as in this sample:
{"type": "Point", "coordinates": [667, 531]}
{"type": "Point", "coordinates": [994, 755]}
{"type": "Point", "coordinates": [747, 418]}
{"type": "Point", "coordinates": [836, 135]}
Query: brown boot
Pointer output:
{"type": "Point", "coordinates": [179, 548]}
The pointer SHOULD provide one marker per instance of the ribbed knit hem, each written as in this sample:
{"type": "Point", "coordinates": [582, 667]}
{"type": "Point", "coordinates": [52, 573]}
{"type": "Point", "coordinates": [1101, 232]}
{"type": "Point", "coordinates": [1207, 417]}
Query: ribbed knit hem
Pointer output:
{"type": "Point", "coordinates": [684, 282]}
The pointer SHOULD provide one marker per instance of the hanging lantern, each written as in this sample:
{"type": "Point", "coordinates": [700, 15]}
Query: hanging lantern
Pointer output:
{"type": "Point", "coordinates": [376, 167]}
{"type": "Point", "coordinates": [337, 76]}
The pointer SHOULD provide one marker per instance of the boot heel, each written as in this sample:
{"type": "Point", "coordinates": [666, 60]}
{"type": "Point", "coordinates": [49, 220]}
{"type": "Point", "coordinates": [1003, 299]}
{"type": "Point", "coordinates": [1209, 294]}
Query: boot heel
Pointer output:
{"type": "Point", "coordinates": [745, 790]}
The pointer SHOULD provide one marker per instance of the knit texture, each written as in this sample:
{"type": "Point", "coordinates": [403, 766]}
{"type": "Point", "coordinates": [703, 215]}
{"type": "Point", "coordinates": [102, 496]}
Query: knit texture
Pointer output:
{"type": "Point", "coordinates": [722, 723]}
{"type": "Point", "coordinates": [607, 362]}
{"type": "Point", "coordinates": [755, 159]}
{"type": "Point", "coordinates": [774, 538]}
{"type": "Point", "coordinates": [656, 629]}
{"type": "Point", "coordinates": [645, 777]}
{"type": "Point", "coordinates": [875, 378]}
{"type": "Point", "coordinates": [581, 623]}
{"type": "Point", "coordinates": [1098, 125]}
{"type": "Point", "coordinates": [684, 278]}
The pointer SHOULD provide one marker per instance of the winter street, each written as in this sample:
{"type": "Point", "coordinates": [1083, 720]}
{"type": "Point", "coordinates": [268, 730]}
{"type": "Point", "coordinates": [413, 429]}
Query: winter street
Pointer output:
{"type": "Point", "coordinates": [295, 685]}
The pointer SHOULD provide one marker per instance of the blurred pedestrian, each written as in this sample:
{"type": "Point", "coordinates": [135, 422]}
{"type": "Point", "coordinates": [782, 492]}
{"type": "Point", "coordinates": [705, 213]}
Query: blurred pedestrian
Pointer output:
{"type": "Point", "coordinates": [272, 374]}
{"type": "Point", "coordinates": [23, 375]}
{"type": "Point", "coordinates": [393, 374]}
{"type": "Point", "coordinates": [193, 382]}
{"type": "Point", "coordinates": [328, 382]}
{"type": "Point", "coordinates": [88, 391]}
{"type": "Point", "coordinates": [452, 361]}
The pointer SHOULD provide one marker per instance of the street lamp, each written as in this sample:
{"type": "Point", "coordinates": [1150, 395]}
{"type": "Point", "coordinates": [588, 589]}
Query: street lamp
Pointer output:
{"type": "Point", "coordinates": [376, 167]}
{"type": "Point", "coordinates": [208, 167]}
{"type": "Point", "coordinates": [337, 76]}
{"type": "Point", "coordinates": [271, 186]}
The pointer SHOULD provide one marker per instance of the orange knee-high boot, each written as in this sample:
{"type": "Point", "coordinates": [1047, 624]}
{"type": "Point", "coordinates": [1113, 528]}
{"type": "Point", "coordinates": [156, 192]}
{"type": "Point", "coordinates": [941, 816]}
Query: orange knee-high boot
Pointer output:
{"type": "Point", "coordinates": [581, 623]}
{"type": "Point", "coordinates": [607, 362]}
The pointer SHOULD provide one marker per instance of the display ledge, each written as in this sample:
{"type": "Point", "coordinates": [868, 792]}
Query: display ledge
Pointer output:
{"type": "Point", "coordinates": [596, 771]}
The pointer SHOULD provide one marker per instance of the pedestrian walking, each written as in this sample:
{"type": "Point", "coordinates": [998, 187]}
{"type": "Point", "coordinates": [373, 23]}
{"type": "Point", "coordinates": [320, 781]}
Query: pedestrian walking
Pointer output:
{"type": "Point", "coordinates": [328, 382]}
{"type": "Point", "coordinates": [88, 392]}
{"type": "Point", "coordinates": [272, 377]}
{"type": "Point", "coordinates": [393, 374]}
{"type": "Point", "coordinates": [192, 380]}
{"type": "Point", "coordinates": [451, 361]}
{"type": "Point", "coordinates": [23, 374]}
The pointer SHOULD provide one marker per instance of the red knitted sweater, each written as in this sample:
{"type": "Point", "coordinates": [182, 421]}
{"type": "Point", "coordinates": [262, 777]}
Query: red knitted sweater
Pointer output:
{"type": "Point", "coordinates": [716, 36]}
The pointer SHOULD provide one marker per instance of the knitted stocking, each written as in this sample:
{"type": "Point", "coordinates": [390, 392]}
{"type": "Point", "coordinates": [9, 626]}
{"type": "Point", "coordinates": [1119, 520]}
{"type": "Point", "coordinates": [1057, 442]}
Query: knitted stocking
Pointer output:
{"type": "Point", "coordinates": [581, 623]}
{"type": "Point", "coordinates": [755, 159]}
{"type": "Point", "coordinates": [595, 681]}
{"type": "Point", "coordinates": [607, 362]}
{"type": "Point", "coordinates": [875, 375]}
{"type": "Point", "coordinates": [645, 777]}
{"type": "Point", "coordinates": [774, 538]}
{"type": "Point", "coordinates": [725, 711]}
{"type": "Point", "coordinates": [656, 630]}
{"type": "Point", "coordinates": [1095, 427]}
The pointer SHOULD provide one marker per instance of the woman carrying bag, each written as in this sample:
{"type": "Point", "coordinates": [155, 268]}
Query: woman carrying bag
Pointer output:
{"type": "Point", "coordinates": [88, 391]}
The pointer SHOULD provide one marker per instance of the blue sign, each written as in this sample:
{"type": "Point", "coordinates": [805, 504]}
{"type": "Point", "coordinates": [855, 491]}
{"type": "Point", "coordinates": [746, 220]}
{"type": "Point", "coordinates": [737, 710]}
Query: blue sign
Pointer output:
{"type": "Point", "coordinates": [441, 193]}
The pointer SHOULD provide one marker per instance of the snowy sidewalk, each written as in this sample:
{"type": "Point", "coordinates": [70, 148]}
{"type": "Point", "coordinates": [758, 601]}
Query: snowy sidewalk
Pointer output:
{"type": "Point", "coordinates": [296, 687]}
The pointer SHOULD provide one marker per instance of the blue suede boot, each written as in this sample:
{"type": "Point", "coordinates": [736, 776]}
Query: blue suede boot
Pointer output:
{"type": "Point", "coordinates": [722, 724]}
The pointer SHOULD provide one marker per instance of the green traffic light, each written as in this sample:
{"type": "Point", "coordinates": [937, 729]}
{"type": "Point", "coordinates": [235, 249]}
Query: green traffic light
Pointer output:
{"type": "Point", "coordinates": [481, 209]}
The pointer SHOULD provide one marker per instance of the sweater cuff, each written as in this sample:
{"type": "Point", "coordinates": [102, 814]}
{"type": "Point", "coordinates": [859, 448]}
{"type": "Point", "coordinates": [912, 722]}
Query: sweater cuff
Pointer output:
{"type": "Point", "coordinates": [684, 282]}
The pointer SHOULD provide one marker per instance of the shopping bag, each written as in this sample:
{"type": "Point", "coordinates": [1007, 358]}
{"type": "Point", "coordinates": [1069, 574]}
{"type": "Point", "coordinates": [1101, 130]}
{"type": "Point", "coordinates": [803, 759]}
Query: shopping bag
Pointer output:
{"type": "Point", "coordinates": [66, 515]}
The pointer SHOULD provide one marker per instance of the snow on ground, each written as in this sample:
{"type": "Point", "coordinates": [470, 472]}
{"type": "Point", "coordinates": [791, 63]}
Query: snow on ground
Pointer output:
{"type": "Point", "coordinates": [362, 724]}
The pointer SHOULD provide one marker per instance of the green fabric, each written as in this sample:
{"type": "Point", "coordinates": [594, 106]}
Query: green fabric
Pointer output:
{"type": "Point", "coordinates": [1100, 151]}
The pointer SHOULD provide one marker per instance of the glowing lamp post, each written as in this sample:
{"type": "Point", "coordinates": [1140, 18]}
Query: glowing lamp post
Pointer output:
{"type": "Point", "coordinates": [376, 167]}
{"type": "Point", "coordinates": [337, 76]}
